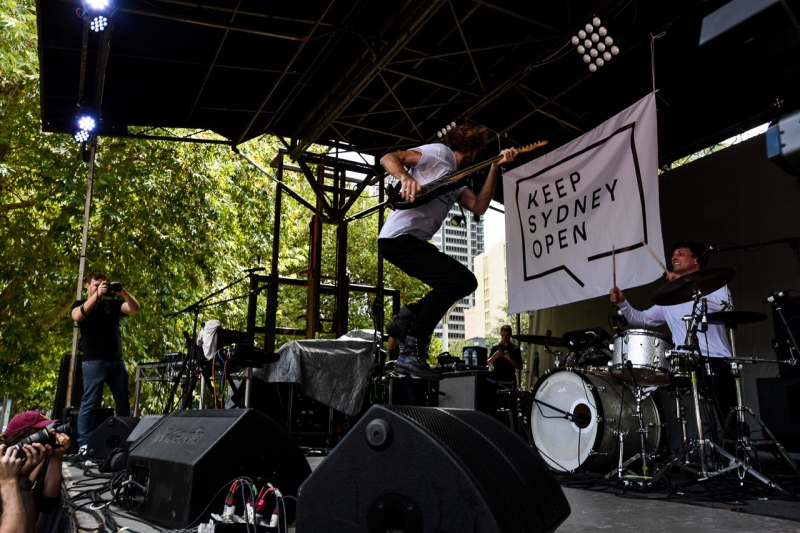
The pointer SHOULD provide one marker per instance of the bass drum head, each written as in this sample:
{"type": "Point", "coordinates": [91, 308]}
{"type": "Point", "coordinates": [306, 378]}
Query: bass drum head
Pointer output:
{"type": "Point", "coordinates": [601, 408]}
{"type": "Point", "coordinates": [564, 445]}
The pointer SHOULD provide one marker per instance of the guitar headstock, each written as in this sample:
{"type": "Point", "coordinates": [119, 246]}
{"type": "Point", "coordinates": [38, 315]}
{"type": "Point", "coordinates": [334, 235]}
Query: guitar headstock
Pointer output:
{"type": "Point", "coordinates": [532, 146]}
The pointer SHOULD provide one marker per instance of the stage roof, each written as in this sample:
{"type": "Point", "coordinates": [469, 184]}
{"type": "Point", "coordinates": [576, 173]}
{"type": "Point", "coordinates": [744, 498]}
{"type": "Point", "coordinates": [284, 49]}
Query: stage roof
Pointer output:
{"type": "Point", "coordinates": [384, 75]}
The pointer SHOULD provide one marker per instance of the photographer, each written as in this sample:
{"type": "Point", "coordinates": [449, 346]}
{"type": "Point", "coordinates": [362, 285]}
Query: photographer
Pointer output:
{"type": "Point", "coordinates": [506, 358]}
{"type": "Point", "coordinates": [39, 478]}
{"type": "Point", "coordinates": [98, 320]}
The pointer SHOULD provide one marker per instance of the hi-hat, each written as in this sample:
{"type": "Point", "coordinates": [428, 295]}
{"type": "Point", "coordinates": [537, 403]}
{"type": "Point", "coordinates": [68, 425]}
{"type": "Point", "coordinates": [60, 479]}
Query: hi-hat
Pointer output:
{"type": "Point", "coordinates": [682, 289]}
{"type": "Point", "coordinates": [735, 318]}
{"type": "Point", "coordinates": [540, 340]}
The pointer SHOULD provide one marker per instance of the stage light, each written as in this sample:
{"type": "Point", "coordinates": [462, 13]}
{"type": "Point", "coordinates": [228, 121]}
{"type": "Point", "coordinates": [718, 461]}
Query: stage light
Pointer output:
{"type": "Point", "coordinates": [608, 40]}
{"type": "Point", "coordinates": [597, 47]}
{"type": "Point", "coordinates": [596, 21]}
{"type": "Point", "coordinates": [595, 37]}
{"type": "Point", "coordinates": [81, 136]}
{"type": "Point", "coordinates": [600, 62]}
{"type": "Point", "coordinates": [601, 47]}
{"type": "Point", "coordinates": [589, 28]}
{"type": "Point", "coordinates": [593, 52]}
{"type": "Point", "coordinates": [593, 67]}
{"type": "Point", "coordinates": [614, 50]}
{"type": "Point", "coordinates": [581, 49]}
{"type": "Point", "coordinates": [586, 58]}
{"type": "Point", "coordinates": [602, 31]}
{"type": "Point", "coordinates": [98, 4]}
{"type": "Point", "coordinates": [581, 35]}
{"type": "Point", "coordinates": [587, 43]}
{"type": "Point", "coordinates": [99, 23]}
{"type": "Point", "coordinates": [86, 123]}
{"type": "Point", "coordinates": [606, 56]}
{"type": "Point", "coordinates": [575, 39]}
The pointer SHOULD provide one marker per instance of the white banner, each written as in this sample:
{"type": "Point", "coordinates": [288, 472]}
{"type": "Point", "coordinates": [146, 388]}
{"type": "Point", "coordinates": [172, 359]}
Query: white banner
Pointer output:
{"type": "Point", "coordinates": [566, 210]}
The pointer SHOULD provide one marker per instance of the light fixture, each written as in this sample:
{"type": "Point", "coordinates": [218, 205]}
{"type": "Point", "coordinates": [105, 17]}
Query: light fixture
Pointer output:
{"type": "Point", "coordinates": [86, 123]}
{"type": "Point", "coordinates": [594, 44]}
{"type": "Point", "coordinates": [441, 133]}
{"type": "Point", "coordinates": [81, 136]}
{"type": "Point", "coordinates": [99, 23]}
{"type": "Point", "coordinates": [98, 5]}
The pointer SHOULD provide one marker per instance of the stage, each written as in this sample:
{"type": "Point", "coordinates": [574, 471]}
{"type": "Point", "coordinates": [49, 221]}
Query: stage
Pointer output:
{"type": "Point", "coordinates": [597, 507]}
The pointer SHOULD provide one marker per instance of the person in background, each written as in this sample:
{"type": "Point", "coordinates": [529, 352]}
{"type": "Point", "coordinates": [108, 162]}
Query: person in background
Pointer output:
{"type": "Point", "coordinates": [506, 358]}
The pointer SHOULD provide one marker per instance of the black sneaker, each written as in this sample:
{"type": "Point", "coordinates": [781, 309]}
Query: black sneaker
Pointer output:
{"type": "Point", "coordinates": [412, 357]}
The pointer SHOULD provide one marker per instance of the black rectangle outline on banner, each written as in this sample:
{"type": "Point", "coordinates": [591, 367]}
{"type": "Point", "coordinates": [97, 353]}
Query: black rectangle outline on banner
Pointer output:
{"type": "Point", "coordinates": [632, 127]}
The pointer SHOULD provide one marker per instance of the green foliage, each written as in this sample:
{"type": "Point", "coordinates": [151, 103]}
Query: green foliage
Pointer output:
{"type": "Point", "coordinates": [174, 222]}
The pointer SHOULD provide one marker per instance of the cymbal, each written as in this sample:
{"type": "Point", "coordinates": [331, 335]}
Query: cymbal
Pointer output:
{"type": "Point", "coordinates": [734, 318]}
{"type": "Point", "coordinates": [540, 340]}
{"type": "Point", "coordinates": [682, 289]}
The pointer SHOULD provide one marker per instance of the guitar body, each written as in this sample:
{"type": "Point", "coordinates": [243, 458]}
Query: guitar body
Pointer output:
{"type": "Point", "coordinates": [448, 182]}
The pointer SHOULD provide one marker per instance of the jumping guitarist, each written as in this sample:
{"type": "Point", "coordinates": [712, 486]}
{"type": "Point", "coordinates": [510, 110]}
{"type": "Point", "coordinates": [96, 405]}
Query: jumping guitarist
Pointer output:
{"type": "Point", "coordinates": [403, 241]}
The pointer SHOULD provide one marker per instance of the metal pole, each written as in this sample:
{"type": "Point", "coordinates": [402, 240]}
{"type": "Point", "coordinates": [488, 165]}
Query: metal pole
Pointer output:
{"type": "Point", "coordinates": [87, 211]}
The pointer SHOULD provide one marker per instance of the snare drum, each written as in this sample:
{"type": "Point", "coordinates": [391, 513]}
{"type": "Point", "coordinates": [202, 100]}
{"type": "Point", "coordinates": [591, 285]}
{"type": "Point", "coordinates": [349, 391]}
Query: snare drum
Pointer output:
{"type": "Point", "coordinates": [646, 350]}
{"type": "Point", "coordinates": [604, 406]}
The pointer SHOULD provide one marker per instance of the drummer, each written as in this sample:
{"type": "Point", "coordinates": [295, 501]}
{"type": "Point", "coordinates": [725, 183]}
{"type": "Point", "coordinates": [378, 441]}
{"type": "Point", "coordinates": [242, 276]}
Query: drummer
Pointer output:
{"type": "Point", "coordinates": [712, 343]}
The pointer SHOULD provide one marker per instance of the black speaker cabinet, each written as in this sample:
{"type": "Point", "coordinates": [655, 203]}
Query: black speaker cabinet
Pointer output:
{"type": "Point", "coordinates": [111, 435]}
{"type": "Point", "coordinates": [70, 415]}
{"type": "Point", "coordinates": [145, 426]}
{"type": "Point", "coordinates": [779, 402]}
{"type": "Point", "coordinates": [428, 469]}
{"type": "Point", "coordinates": [190, 458]}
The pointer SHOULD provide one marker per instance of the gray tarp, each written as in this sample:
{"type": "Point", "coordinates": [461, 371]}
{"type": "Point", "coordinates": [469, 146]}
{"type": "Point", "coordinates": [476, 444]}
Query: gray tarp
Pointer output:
{"type": "Point", "coordinates": [334, 372]}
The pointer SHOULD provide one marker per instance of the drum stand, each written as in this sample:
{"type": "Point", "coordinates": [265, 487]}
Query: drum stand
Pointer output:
{"type": "Point", "coordinates": [631, 477]}
{"type": "Point", "coordinates": [742, 441]}
{"type": "Point", "coordinates": [701, 445]}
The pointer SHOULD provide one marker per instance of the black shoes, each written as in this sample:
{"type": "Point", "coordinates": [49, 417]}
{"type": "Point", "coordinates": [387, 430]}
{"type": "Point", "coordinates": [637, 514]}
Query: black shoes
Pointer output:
{"type": "Point", "coordinates": [412, 358]}
{"type": "Point", "coordinates": [399, 325]}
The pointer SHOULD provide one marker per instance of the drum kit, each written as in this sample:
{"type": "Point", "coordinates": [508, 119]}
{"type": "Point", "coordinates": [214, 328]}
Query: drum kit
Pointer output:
{"type": "Point", "coordinates": [584, 416]}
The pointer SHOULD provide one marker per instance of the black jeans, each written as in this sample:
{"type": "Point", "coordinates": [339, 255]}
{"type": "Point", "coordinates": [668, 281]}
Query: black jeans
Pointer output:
{"type": "Point", "coordinates": [449, 279]}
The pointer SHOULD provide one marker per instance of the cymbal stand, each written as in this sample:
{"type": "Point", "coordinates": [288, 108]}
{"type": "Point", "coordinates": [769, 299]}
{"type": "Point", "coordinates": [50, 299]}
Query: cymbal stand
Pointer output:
{"type": "Point", "coordinates": [643, 455]}
{"type": "Point", "coordinates": [742, 434]}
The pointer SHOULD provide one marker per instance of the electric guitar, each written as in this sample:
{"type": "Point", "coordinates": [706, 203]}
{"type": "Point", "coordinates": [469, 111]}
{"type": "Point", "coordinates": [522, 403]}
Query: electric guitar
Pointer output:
{"type": "Point", "coordinates": [448, 182]}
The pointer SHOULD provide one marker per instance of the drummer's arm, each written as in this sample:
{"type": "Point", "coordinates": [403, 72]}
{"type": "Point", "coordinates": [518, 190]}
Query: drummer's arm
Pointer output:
{"type": "Point", "coordinates": [641, 319]}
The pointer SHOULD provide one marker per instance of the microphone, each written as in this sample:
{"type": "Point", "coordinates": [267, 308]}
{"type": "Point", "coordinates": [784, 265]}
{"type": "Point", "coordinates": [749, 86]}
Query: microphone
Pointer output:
{"type": "Point", "coordinates": [704, 313]}
{"type": "Point", "coordinates": [774, 296]}
{"type": "Point", "coordinates": [256, 269]}
{"type": "Point", "coordinates": [581, 419]}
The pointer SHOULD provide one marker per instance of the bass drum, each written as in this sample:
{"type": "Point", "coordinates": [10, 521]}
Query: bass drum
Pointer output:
{"type": "Point", "coordinates": [600, 407]}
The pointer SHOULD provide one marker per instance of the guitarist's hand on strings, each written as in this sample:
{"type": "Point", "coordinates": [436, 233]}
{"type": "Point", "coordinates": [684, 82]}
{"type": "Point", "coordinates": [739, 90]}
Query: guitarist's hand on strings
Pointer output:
{"type": "Point", "coordinates": [507, 156]}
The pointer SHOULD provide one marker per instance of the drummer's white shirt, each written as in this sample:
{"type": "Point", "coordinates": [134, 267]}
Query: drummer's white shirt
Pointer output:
{"type": "Point", "coordinates": [713, 343]}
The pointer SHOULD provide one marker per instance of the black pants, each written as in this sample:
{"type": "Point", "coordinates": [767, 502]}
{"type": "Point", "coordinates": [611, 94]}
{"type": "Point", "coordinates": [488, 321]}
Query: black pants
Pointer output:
{"type": "Point", "coordinates": [449, 279]}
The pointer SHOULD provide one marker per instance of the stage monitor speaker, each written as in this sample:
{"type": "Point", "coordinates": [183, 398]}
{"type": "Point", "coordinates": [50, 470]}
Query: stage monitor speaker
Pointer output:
{"type": "Point", "coordinates": [428, 469]}
{"type": "Point", "coordinates": [70, 415]}
{"type": "Point", "coordinates": [145, 426]}
{"type": "Point", "coordinates": [185, 465]}
{"type": "Point", "coordinates": [109, 436]}
{"type": "Point", "coordinates": [779, 403]}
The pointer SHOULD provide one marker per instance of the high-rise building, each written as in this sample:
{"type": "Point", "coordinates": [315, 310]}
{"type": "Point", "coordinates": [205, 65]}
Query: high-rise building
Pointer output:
{"type": "Point", "coordinates": [462, 242]}
{"type": "Point", "coordinates": [492, 301]}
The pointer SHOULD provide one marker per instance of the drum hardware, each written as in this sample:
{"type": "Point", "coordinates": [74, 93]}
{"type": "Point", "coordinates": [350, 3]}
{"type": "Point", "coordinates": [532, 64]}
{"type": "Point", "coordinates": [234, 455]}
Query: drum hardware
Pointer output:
{"type": "Point", "coordinates": [685, 288]}
{"type": "Point", "coordinates": [622, 472]}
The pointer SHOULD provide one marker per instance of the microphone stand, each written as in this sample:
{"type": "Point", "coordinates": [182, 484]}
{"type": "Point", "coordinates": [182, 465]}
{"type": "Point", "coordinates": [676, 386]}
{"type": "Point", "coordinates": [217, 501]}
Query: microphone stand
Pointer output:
{"type": "Point", "coordinates": [193, 358]}
{"type": "Point", "coordinates": [793, 242]}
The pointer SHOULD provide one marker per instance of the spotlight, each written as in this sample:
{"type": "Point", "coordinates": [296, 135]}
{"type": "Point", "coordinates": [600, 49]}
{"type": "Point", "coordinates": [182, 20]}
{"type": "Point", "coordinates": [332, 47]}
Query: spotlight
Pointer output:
{"type": "Point", "coordinates": [602, 31]}
{"type": "Point", "coordinates": [601, 47]}
{"type": "Point", "coordinates": [592, 67]}
{"type": "Point", "coordinates": [97, 4]}
{"type": "Point", "coordinates": [99, 23]}
{"type": "Point", "coordinates": [575, 39]}
{"type": "Point", "coordinates": [614, 50]}
{"type": "Point", "coordinates": [596, 21]}
{"type": "Point", "coordinates": [589, 28]}
{"type": "Point", "coordinates": [600, 62]}
{"type": "Point", "coordinates": [608, 40]}
{"type": "Point", "coordinates": [581, 49]}
{"type": "Point", "coordinates": [597, 47]}
{"type": "Point", "coordinates": [581, 35]}
{"type": "Point", "coordinates": [86, 123]}
{"type": "Point", "coordinates": [595, 37]}
{"type": "Point", "coordinates": [606, 56]}
{"type": "Point", "coordinates": [593, 52]}
{"type": "Point", "coordinates": [81, 136]}
{"type": "Point", "coordinates": [587, 43]}
{"type": "Point", "coordinates": [586, 58]}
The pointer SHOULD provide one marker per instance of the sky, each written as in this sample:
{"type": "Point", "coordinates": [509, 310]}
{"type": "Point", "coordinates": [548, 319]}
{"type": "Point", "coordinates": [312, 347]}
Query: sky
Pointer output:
{"type": "Point", "coordinates": [494, 227]}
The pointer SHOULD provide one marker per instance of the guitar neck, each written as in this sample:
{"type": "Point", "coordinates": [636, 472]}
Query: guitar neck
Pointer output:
{"type": "Point", "coordinates": [469, 170]}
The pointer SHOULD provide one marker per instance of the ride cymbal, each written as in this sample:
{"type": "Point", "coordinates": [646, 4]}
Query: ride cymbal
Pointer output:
{"type": "Point", "coordinates": [682, 289]}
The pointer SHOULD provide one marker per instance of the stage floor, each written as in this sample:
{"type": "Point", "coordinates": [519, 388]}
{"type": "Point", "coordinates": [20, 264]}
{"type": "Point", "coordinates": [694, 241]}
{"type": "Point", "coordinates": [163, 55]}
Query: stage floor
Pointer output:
{"type": "Point", "coordinates": [595, 507]}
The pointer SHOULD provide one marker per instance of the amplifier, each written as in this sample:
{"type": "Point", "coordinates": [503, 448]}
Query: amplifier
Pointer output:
{"type": "Point", "coordinates": [474, 390]}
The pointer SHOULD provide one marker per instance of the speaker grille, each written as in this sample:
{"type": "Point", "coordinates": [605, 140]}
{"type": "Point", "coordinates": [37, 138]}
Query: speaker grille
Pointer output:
{"type": "Point", "coordinates": [530, 499]}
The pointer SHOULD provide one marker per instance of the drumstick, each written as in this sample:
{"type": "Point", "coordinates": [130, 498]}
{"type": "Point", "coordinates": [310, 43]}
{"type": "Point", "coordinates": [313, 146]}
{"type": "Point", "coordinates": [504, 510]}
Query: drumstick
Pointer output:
{"type": "Point", "coordinates": [614, 265]}
{"type": "Point", "coordinates": [656, 258]}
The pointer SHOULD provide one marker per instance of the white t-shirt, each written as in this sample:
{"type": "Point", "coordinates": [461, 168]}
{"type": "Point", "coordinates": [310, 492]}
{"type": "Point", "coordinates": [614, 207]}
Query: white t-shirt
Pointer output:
{"type": "Point", "coordinates": [713, 343]}
{"type": "Point", "coordinates": [423, 221]}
